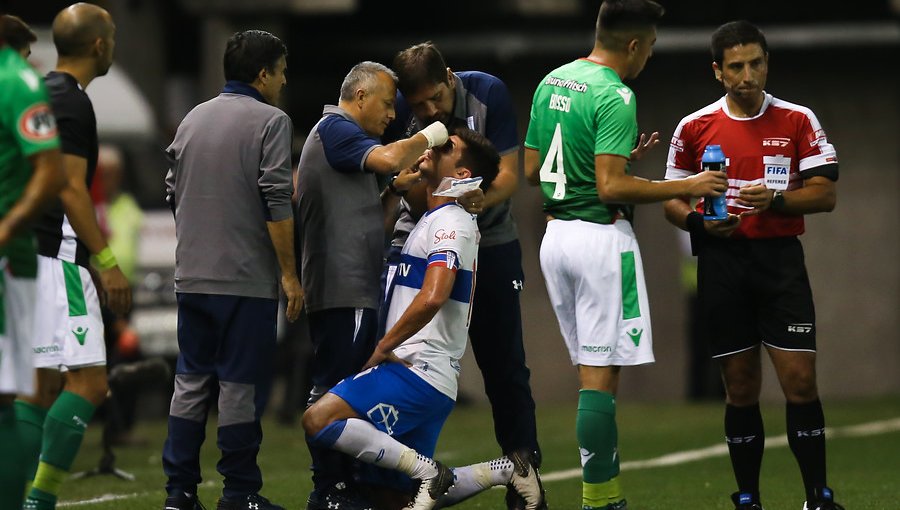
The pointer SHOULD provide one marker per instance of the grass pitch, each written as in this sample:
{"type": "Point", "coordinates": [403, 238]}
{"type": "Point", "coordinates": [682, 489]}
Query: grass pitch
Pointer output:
{"type": "Point", "coordinates": [672, 458]}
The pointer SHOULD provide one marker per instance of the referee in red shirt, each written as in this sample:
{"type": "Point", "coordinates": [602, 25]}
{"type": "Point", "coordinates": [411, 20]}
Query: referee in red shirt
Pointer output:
{"type": "Point", "coordinates": [752, 283]}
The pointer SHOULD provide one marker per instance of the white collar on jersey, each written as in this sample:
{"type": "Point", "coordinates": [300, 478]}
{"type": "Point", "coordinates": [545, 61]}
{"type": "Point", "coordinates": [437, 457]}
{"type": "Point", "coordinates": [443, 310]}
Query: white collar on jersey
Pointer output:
{"type": "Point", "coordinates": [767, 100]}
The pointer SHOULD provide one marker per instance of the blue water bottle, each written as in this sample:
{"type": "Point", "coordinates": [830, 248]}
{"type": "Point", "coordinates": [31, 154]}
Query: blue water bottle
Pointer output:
{"type": "Point", "coordinates": [714, 208]}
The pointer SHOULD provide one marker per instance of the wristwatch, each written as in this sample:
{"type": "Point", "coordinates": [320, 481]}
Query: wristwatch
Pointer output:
{"type": "Point", "coordinates": [394, 190]}
{"type": "Point", "coordinates": [777, 201]}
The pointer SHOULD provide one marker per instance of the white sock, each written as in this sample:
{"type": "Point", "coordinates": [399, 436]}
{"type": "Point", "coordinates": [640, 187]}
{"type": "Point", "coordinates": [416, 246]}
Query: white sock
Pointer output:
{"type": "Point", "coordinates": [365, 442]}
{"type": "Point", "coordinates": [475, 478]}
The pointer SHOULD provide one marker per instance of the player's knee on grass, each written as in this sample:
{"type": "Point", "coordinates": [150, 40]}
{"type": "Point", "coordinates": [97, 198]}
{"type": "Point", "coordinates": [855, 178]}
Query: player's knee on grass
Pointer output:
{"type": "Point", "coordinates": [314, 420]}
{"type": "Point", "coordinates": [327, 410]}
{"type": "Point", "coordinates": [319, 416]}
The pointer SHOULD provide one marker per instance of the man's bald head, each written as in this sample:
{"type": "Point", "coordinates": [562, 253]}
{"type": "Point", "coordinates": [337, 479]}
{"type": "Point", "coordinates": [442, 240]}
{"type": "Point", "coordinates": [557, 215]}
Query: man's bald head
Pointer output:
{"type": "Point", "coordinates": [78, 27]}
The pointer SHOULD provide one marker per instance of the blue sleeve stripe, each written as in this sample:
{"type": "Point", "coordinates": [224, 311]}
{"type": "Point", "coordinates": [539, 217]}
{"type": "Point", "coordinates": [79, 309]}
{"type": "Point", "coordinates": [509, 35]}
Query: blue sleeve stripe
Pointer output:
{"type": "Point", "coordinates": [411, 274]}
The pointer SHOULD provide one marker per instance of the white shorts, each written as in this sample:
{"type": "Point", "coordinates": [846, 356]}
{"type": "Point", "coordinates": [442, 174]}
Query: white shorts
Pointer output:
{"type": "Point", "coordinates": [17, 299]}
{"type": "Point", "coordinates": [595, 279]}
{"type": "Point", "coordinates": [68, 330]}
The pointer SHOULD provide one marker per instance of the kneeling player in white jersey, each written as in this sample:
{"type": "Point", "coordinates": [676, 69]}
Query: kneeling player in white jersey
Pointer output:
{"type": "Point", "coordinates": [391, 413]}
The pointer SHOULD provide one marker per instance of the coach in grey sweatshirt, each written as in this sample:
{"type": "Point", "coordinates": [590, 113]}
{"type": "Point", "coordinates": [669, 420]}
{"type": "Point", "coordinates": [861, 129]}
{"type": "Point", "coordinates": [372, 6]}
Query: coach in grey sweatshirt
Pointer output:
{"type": "Point", "coordinates": [229, 186]}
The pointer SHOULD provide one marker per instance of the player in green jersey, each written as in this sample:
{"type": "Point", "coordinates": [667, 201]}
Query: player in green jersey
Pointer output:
{"type": "Point", "coordinates": [30, 175]}
{"type": "Point", "coordinates": [581, 138]}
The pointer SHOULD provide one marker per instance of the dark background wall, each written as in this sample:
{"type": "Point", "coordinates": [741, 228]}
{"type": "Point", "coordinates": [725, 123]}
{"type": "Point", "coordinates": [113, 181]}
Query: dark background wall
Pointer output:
{"type": "Point", "coordinates": [840, 62]}
{"type": "Point", "coordinates": [851, 253]}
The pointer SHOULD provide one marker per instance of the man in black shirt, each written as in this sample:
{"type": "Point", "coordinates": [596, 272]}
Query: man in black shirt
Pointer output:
{"type": "Point", "coordinates": [68, 334]}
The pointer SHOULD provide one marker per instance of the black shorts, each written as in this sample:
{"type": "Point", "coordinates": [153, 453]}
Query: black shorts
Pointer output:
{"type": "Point", "coordinates": [753, 291]}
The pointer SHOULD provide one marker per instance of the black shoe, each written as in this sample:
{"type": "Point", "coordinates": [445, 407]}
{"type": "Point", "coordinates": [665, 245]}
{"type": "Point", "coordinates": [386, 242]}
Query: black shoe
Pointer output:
{"type": "Point", "coordinates": [251, 502]}
{"type": "Point", "coordinates": [339, 497]}
{"type": "Point", "coordinates": [746, 501]}
{"type": "Point", "coordinates": [823, 500]}
{"type": "Point", "coordinates": [183, 501]}
{"type": "Point", "coordinates": [525, 490]}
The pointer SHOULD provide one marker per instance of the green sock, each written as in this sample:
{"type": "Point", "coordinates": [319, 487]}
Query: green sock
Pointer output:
{"type": "Point", "coordinates": [31, 432]}
{"type": "Point", "coordinates": [12, 478]}
{"type": "Point", "coordinates": [597, 434]}
{"type": "Point", "coordinates": [64, 430]}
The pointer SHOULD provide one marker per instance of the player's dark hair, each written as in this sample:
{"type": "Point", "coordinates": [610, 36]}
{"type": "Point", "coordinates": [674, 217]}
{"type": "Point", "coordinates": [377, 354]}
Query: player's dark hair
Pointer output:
{"type": "Point", "coordinates": [620, 21]}
{"type": "Point", "coordinates": [418, 66]}
{"type": "Point", "coordinates": [735, 33]}
{"type": "Point", "coordinates": [16, 32]}
{"type": "Point", "coordinates": [479, 156]}
{"type": "Point", "coordinates": [248, 52]}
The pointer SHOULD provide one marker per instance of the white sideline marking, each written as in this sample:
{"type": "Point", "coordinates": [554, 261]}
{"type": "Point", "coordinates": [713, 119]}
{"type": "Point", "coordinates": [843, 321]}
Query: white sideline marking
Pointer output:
{"type": "Point", "coordinates": [671, 459]}
{"type": "Point", "coordinates": [101, 499]}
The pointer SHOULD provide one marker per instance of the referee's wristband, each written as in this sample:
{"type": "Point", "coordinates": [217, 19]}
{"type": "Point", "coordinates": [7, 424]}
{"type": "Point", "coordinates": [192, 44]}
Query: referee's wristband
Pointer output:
{"type": "Point", "coordinates": [694, 223]}
{"type": "Point", "coordinates": [105, 259]}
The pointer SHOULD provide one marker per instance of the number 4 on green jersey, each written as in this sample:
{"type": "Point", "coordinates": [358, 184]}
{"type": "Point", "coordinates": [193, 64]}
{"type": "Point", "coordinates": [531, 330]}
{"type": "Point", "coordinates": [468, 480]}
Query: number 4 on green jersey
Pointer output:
{"type": "Point", "coordinates": [552, 169]}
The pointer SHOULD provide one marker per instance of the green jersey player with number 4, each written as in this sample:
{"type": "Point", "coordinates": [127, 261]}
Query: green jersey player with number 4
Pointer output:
{"type": "Point", "coordinates": [580, 140]}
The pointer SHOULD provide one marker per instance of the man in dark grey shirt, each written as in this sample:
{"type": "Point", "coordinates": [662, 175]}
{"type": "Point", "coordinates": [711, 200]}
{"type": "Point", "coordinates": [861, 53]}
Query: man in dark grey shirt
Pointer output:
{"type": "Point", "coordinates": [230, 188]}
{"type": "Point", "coordinates": [342, 240]}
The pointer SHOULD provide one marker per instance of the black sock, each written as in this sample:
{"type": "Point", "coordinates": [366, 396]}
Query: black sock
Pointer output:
{"type": "Point", "coordinates": [806, 437]}
{"type": "Point", "coordinates": [746, 442]}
